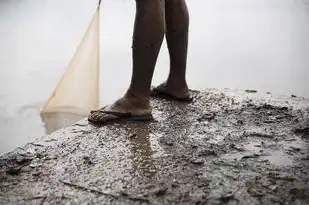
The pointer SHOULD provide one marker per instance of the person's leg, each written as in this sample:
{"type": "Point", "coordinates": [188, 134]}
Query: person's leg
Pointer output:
{"type": "Point", "coordinates": [177, 29]}
{"type": "Point", "coordinates": [149, 29]}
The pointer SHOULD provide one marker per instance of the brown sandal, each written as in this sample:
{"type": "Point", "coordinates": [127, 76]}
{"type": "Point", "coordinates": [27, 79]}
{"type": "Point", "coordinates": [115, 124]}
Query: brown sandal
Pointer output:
{"type": "Point", "coordinates": [103, 116]}
{"type": "Point", "coordinates": [161, 94]}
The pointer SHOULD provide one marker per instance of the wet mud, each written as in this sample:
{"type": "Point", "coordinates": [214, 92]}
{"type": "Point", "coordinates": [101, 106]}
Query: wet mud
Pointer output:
{"type": "Point", "coordinates": [227, 147]}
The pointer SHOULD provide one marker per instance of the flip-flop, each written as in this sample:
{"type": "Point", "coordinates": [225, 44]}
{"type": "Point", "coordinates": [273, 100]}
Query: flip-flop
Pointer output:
{"type": "Point", "coordinates": [119, 116]}
{"type": "Point", "coordinates": [161, 94]}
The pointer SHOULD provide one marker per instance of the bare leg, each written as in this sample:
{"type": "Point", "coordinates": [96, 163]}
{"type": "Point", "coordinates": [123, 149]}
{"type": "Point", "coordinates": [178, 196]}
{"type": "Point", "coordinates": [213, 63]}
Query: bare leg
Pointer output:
{"type": "Point", "coordinates": [177, 29]}
{"type": "Point", "coordinates": [149, 29]}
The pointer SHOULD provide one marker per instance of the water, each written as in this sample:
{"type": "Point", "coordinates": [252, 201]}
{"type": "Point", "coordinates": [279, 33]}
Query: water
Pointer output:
{"type": "Point", "coordinates": [256, 44]}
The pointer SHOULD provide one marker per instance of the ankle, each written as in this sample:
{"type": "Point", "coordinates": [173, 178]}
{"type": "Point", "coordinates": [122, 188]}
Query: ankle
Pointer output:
{"type": "Point", "coordinates": [176, 83]}
{"type": "Point", "coordinates": [138, 100]}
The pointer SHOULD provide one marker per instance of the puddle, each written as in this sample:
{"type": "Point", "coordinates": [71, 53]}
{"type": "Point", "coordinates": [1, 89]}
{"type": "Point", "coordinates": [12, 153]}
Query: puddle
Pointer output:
{"type": "Point", "coordinates": [275, 157]}
{"type": "Point", "coordinates": [294, 143]}
{"type": "Point", "coordinates": [280, 154]}
{"type": "Point", "coordinates": [276, 153]}
{"type": "Point", "coordinates": [278, 158]}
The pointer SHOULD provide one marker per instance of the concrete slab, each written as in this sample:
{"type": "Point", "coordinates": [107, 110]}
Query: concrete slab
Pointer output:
{"type": "Point", "coordinates": [227, 147]}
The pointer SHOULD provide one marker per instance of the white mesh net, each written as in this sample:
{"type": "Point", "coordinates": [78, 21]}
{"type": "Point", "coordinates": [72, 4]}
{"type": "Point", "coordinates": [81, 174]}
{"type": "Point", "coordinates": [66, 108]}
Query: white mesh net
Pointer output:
{"type": "Point", "coordinates": [78, 89]}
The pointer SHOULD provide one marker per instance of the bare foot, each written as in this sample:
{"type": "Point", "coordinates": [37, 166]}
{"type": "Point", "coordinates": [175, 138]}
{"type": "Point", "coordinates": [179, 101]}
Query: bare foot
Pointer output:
{"type": "Point", "coordinates": [124, 109]}
{"type": "Point", "coordinates": [171, 92]}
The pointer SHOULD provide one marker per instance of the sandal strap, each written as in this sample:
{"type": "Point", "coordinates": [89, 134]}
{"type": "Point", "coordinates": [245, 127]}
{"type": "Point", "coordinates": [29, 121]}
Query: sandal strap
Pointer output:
{"type": "Point", "coordinates": [118, 114]}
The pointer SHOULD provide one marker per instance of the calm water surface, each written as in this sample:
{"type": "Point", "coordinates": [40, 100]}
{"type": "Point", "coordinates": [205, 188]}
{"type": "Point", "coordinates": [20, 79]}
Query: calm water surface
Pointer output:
{"type": "Point", "coordinates": [257, 44]}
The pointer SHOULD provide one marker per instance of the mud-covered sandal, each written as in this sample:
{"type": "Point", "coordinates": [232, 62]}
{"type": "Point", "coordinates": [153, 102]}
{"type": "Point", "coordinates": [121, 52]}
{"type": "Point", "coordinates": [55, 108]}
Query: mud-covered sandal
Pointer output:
{"type": "Point", "coordinates": [161, 94]}
{"type": "Point", "coordinates": [104, 116]}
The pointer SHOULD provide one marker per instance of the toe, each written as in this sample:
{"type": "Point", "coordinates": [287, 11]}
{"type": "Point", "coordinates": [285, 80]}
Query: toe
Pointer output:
{"type": "Point", "coordinates": [94, 116]}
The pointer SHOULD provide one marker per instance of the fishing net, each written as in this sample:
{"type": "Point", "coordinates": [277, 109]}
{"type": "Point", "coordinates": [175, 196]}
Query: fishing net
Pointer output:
{"type": "Point", "coordinates": [78, 89]}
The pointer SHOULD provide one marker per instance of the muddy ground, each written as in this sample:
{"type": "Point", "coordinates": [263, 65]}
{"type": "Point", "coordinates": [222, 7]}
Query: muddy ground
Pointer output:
{"type": "Point", "coordinates": [227, 147]}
